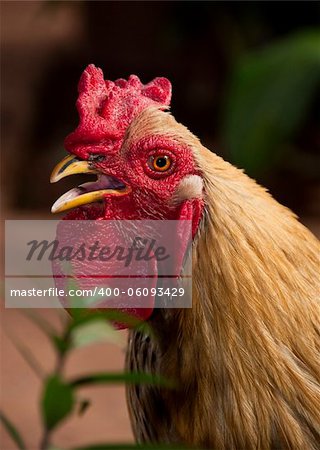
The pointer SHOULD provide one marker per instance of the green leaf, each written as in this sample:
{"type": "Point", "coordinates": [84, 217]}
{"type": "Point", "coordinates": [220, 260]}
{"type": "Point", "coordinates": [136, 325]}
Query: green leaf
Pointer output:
{"type": "Point", "coordinates": [13, 432]}
{"type": "Point", "coordinates": [80, 313]}
{"type": "Point", "coordinates": [270, 93]}
{"type": "Point", "coordinates": [57, 401]}
{"type": "Point", "coordinates": [81, 316]}
{"type": "Point", "coordinates": [121, 377]}
{"type": "Point", "coordinates": [94, 331]}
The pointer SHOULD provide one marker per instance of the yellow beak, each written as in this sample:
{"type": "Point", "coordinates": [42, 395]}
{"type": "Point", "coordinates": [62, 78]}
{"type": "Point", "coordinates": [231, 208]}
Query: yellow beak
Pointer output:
{"type": "Point", "coordinates": [70, 165]}
{"type": "Point", "coordinates": [87, 192]}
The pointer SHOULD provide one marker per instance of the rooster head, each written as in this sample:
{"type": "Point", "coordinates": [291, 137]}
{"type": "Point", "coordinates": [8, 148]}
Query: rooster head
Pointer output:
{"type": "Point", "coordinates": [143, 159]}
{"type": "Point", "coordinates": [144, 163]}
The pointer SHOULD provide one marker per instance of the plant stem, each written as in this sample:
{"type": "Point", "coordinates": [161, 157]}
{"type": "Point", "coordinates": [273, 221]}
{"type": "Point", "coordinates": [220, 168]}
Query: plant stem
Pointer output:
{"type": "Point", "coordinates": [45, 440]}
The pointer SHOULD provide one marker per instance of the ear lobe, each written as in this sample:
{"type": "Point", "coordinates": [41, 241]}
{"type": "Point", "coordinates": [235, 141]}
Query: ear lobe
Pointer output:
{"type": "Point", "coordinates": [191, 186]}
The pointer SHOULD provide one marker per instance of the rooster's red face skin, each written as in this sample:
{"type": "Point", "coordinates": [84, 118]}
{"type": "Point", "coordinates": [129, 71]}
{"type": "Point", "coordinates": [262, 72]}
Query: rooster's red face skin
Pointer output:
{"type": "Point", "coordinates": [143, 169]}
{"type": "Point", "coordinates": [119, 135]}
{"type": "Point", "coordinates": [152, 192]}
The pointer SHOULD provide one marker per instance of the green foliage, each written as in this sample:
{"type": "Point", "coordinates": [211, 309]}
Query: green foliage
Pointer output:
{"type": "Point", "coordinates": [57, 401]}
{"type": "Point", "coordinates": [60, 397]}
{"type": "Point", "coordinates": [12, 431]}
{"type": "Point", "coordinates": [81, 316]}
{"type": "Point", "coordinates": [91, 332]}
{"type": "Point", "coordinates": [122, 377]}
{"type": "Point", "coordinates": [270, 93]}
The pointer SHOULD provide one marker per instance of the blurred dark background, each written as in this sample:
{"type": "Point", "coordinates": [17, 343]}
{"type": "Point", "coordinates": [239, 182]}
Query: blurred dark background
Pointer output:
{"type": "Point", "coordinates": [246, 78]}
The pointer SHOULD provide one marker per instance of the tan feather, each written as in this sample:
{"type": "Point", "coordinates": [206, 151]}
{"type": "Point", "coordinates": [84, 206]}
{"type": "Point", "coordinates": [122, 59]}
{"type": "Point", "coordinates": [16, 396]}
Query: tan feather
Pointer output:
{"type": "Point", "coordinates": [246, 356]}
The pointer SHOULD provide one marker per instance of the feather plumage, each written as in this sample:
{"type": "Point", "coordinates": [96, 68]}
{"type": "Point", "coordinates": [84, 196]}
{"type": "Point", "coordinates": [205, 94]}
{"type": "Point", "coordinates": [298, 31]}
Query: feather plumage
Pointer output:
{"type": "Point", "coordinates": [246, 355]}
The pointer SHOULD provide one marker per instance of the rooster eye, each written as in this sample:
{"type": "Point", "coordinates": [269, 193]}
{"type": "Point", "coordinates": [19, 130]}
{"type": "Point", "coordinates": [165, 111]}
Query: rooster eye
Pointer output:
{"type": "Point", "coordinates": [160, 163]}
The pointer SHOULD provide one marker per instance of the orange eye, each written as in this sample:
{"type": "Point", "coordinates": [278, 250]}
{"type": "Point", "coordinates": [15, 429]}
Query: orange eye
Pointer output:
{"type": "Point", "coordinates": [160, 163]}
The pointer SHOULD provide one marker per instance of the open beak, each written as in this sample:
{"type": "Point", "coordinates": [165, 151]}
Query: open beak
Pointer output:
{"type": "Point", "coordinates": [88, 192]}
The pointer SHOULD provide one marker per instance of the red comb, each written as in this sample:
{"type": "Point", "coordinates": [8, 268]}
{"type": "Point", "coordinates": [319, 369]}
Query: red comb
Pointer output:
{"type": "Point", "coordinates": [106, 108]}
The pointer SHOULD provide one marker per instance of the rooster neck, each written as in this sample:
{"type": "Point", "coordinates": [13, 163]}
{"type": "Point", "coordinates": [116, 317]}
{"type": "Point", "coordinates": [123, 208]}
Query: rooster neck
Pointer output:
{"type": "Point", "coordinates": [246, 355]}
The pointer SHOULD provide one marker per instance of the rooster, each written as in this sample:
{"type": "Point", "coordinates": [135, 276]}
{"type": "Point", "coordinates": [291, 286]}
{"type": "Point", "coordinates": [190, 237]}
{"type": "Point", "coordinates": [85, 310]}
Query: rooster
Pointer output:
{"type": "Point", "coordinates": [245, 357]}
